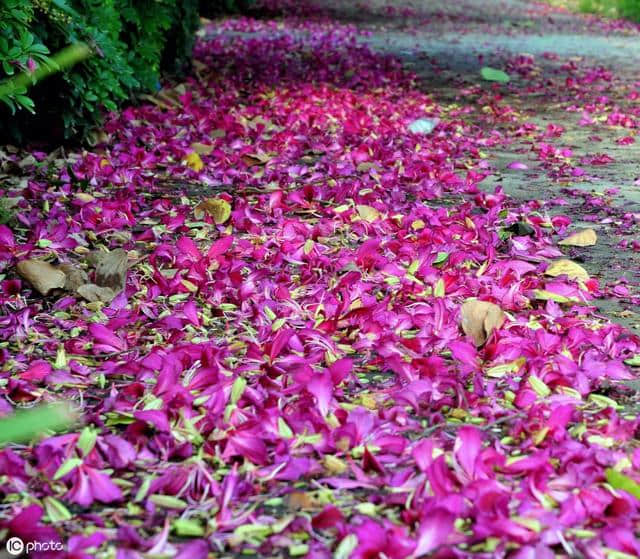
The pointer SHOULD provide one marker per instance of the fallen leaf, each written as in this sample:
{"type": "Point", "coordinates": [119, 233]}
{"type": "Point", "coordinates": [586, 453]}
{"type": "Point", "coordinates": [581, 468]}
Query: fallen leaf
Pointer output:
{"type": "Point", "coordinates": [620, 481]}
{"type": "Point", "coordinates": [564, 267]}
{"type": "Point", "coordinates": [92, 293]}
{"type": "Point", "coordinates": [368, 213]}
{"type": "Point", "coordinates": [493, 75]}
{"type": "Point", "coordinates": [194, 161]}
{"type": "Point", "coordinates": [201, 149]}
{"type": "Point", "coordinates": [544, 295]}
{"type": "Point", "coordinates": [254, 159]}
{"type": "Point", "coordinates": [582, 238]}
{"type": "Point", "coordinates": [334, 465]}
{"type": "Point", "coordinates": [75, 276]}
{"type": "Point", "coordinates": [84, 197]}
{"type": "Point", "coordinates": [43, 276]}
{"type": "Point", "coordinates": [111, 269]}
{"type": "Point", "coordinates": [480, 318]}
{"type": "Point", "coordinates": [366, 166]}
{"type": "Point", "coordinates": [218, 208]}
{"type": "Point", "coordinates": [303, 501]}
{"type": "Point", "coordinates": [157, 102]}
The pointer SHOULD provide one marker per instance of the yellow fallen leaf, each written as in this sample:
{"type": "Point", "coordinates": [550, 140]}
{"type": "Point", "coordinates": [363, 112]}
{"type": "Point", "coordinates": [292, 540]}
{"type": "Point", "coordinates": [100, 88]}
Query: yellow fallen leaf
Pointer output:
{"type": "Point", "coordinates": [84, 197]}
{"type": "Point", "coordinates": [480, 318]}
{"type": "Point", "coordinates": [194, 161]}
{"type": "Point", "coordinates": [368, 213]}
{"type": "Point", "coordinates": [369, 402]}
{"type": "Point", "coordinates": [334, 465]}
{"type": "Point", "coordinates": [544, 295]}
{"type": "Point", "coordinates": [217, 208]}
{"type": "Point", "coordinates": [564, 267]}
{"type": "Point", "coordinates": [583, 238]}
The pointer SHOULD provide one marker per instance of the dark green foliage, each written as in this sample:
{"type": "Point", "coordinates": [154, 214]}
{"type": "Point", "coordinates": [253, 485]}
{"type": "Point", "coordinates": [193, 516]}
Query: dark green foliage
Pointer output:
{"type": "Point", "coordinates": [213, 8]}
{"type": "Point", "coordinates": [133, 42]}
{"type": "Point", "coordinates": [629, 9]}
{"type": "Point", "coordinates": [19, 49]}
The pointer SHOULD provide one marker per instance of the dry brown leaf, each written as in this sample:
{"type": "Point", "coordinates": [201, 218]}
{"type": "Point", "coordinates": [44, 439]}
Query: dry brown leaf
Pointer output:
{"type": "Point", "coordinates": [479, 319]}
{"type": "Point", "coordinates": [43, 276]}
{"type": "Point", "coordinates": [253, 159]}
{"type": "Point", "coordinates": [111, 269]}
{"type": "Point", "coordinates": [217, 208]}
{"type": "Point", "coordinates": [157, 102]}
{"type": "Point", "coordinates": [92, 293]}
{"type": "Point", "coordinates": [202, 149]}
{"type": "Point", "coordinates": [75, 277]}
{"type": "Point", "coordinates": [565, 267]}
{"type": "Point", "coordinates": [582, 238]}
{"type": "Point", "coordinates": [367, 166]}
{"type": "Point", "coordinates": [303, 501]}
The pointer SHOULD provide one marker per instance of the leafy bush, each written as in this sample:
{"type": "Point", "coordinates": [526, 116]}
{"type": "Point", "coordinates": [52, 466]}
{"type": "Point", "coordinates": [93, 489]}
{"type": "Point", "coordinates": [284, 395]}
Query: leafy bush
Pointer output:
{"type": "Point", "coordinates": [19, 49]}
{"type": "Point", "coordinates": [133, 42]}
{"type": "Point", "coordinates": [629, 9]}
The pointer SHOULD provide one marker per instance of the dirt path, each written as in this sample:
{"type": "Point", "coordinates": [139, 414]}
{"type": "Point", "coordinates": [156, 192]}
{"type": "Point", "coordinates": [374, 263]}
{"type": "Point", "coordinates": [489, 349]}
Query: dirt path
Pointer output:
{"type": "Point", "coordinates": [446, 45]}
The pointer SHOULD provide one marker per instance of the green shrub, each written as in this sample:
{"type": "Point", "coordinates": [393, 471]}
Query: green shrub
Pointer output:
{"type": "Point", "coordinates": [20, 50]}
{"type": "Point", "coordinates": [133, 41]}
{"type": "Point", "coordinates": [629, 9]}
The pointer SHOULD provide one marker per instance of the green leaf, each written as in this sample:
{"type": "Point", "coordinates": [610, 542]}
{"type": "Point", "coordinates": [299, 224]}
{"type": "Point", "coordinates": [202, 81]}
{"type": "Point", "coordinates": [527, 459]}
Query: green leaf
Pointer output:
{"type": "Point", "coordinates": [493, 75]}
{"type": "Point", "coordinates": [441, 258]}
{"type": "Point", "coordinates": [346, 547]}
{"type": "Point", "coordinates": [87, 440]}
{"type": "Point", "coordinates": [544, 295]}
{"type": "Point", "coordinates": [298, 549]}
{"type": "Point", "coordinates": [633, 361]}
{"type": "Point", "coordinates": [237, 389]}
{"type": "Point", "coordinates": [284, 430]}
{"type": "Point", "coordinates": [168, 502]}
{"type": "Point", "coordinates": [66, 467]}
{"type": "Point", "coordinates": [144, 488]}
{"type": "Point", "coordinates": [56, 511]}
{"type": "Point", "coordinates": [539, 386]}
{"type": "Point", "coordinates": [253, 533]}
{"type": "Point", "coordinates": [618, 480]}
{"type": "Point", "coordinates": [188, 527]}
{"type": "Point", "coordinates": [26, 103]}
{"type": "Point", "coordinates": [25, 425]}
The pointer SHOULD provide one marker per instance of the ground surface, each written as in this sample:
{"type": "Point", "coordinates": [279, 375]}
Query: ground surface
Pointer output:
{"type": "Point", "coordinates": [446, 45]}
{"type": "Point", "coordinates": [298, 364]}
{"type": "Point", "coordinates": [501, 31]}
